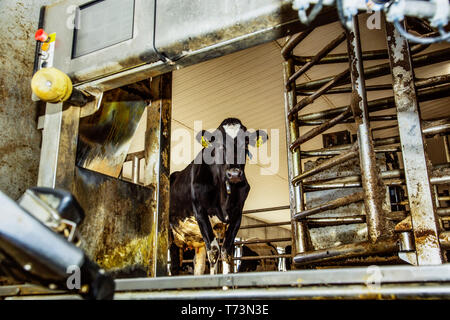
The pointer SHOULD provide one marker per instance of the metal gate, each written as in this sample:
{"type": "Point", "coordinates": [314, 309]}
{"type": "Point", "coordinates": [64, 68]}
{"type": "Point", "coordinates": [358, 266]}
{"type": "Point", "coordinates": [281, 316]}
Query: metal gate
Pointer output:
{"type": "Point", "coordinates": [419, 239]}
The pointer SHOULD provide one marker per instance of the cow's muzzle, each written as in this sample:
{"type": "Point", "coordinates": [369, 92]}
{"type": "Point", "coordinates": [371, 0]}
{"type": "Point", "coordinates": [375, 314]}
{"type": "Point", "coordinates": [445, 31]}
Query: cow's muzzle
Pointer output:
{"type": "Point", "coordinates": [234, 175]}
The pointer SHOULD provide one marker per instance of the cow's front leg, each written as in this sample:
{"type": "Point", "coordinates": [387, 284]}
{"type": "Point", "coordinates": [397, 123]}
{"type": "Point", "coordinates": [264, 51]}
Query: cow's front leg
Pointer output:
{"type": "Point", "coordinates": [212, 245]}
{"type": "Point", "coordinates": [227, 252]}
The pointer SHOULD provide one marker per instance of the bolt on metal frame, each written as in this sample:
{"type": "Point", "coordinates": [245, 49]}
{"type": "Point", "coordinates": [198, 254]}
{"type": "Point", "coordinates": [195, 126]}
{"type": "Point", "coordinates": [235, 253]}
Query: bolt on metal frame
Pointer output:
{"type": "Point", "coordinates": [425, 216]}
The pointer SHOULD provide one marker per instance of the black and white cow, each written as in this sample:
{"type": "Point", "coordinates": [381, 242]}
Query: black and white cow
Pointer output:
{"type": "Point", "coordinates": [207, 197]}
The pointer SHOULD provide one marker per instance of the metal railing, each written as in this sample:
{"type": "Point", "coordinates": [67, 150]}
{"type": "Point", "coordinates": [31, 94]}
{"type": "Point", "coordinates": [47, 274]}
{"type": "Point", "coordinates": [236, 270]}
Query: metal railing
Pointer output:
{"type": "Point", "coordinates": [425, 214]}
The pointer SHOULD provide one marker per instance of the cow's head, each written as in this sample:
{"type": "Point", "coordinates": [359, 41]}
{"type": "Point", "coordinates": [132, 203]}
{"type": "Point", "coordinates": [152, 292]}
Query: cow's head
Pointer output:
{"type": "Point", "coordinates": [227, 148]}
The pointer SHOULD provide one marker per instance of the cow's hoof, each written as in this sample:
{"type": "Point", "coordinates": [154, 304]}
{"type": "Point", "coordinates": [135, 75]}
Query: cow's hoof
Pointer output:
{"type": "Point", "coordinates": [213, 253]}
{"type": "Point", "coordinates": [226, 257]}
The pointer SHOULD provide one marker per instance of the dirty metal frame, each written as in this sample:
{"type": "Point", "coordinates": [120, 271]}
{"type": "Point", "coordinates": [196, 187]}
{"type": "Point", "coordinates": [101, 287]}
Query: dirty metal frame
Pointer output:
{"type": "Point", "coordinates": [384, 282]}
{"type": "Point", "coordinates": [58, 163]}
{"type": "Point", "coordinates": [417, 168]}
{"type": "Point", "coordinates": [61, 121]}
{"type": "Point", "coordinates": [373, 182]}
{"type": "Point", "coordinates": [57, 166]}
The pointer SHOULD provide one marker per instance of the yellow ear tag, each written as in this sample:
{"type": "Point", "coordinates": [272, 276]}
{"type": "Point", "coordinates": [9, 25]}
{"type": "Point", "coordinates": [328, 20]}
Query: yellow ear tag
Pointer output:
{"type": "Point", "coordinates": [205, 143]}
{"type": "Point", "coordinates": [259, 142]}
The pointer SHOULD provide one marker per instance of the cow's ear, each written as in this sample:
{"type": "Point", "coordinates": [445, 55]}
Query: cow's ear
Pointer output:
{"type": "Point", "coordinates": [204, 137]}
{"type": "Point", "coordinates": [258, 138]}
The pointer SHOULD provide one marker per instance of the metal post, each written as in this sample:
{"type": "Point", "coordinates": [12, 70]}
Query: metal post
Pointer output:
{"type": "Point", "coordinates": [371, 182]}
{"type": "Point", "coordinates": [59, 146]}
{"type": "Point", "coordinates": [447, 148]}
{"type": "Point", "coordinates": [299, 229]}
{"type": "Point", "coordinates": [157, 167]}
{"type": "Point", "coordinates": [414, 158]}
{"type": "Point", "coordinates": [135, 169]}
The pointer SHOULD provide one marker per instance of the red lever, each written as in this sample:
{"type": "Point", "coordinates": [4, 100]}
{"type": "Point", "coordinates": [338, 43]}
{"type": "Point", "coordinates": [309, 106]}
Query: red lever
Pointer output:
{"type": "Point", "coordinates": [41, 35]}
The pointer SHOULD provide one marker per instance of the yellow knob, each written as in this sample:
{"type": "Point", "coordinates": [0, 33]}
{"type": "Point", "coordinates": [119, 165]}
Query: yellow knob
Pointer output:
{"type": "Point", "coordinates": [51, 85]}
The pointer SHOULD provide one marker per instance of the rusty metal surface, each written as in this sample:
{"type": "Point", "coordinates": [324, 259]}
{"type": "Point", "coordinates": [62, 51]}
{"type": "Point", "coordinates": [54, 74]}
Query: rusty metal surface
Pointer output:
{"type": "Point", "coordinates": [379, 104]}
{"type": "Point", "coordinates": [367, 55]}
{"type": "Point", "coordinates": [322, 53]}
{"type": "Point", "coordinates": [329, 163]}
{"type": "Point", "coordinates": [371, 182]}
{"type": "Point", "coordinates": [300, 236]}
{"type": "Point", "coordinates": [348, 251]}
{"type": "Point", "coordinates": [118, 230]}
{"type": "Point", "coordinates": [340, 202]}
{"type": "Point", "coordinates": [293, 41]}
{"type": "Point", "coordinates": [157, 166]}
{"type": "Point", "coordinates": [444, 239]}
{"type": "Point", "coordinates": [321, 128]}
{"type": "Point", "coordinates": [424, 59]}
{"type": "Point", "coordinates": [420, 83]}
{"type": "Point", "coordinates": [414, 158]}
{"type": "Point", "coordinates": [105, 136]}
{"type": "Point", "coordinates": [439, 175]}
{"type": "Point", "coordinates": [334, 81]}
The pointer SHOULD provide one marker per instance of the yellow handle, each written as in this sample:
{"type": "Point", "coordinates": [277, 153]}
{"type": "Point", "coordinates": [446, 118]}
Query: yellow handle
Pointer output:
{"type": "Point", "coordinates": [51, 85]}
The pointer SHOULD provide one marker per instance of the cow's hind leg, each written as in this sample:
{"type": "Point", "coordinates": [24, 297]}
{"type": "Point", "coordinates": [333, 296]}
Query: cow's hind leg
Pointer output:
{"type": "Point", "coordinates": [199, 260]}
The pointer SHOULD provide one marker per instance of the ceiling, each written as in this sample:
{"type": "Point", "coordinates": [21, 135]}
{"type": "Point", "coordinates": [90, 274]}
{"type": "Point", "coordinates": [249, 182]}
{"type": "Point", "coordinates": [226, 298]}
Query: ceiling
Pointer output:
{"type": "Point", "coordinates": [249, 85]}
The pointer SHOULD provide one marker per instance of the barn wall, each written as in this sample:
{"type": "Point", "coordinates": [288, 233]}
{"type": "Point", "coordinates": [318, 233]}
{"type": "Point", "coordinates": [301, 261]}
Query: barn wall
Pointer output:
{"type": "Point", "coordinates": [19, 138]}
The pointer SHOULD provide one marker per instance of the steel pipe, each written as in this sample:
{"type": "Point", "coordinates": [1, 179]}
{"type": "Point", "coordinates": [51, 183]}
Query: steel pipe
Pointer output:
{"type": "Point", "coordinates": [300, 238]}
{"type": "Point", "coordinates": [344, 156]}
{"type": "Point", "coordinates": [287, 49]}
{"type": "Point", "coordinates": [348, 120]}
{"type": "Point", "coordinates": [321, 91]}
{"type": "Point", "coordinates": [371, 181]}
{"type": "Point", "coordinates": [135, 170]}
{"type": "Point", "coordinates": [432, 128]}
{"type": "Point", "coordinates": [420, 84]}
{"type": "Point", "coordinates": [367, 55]}
{"type": "Point", "coordinates": [366, 248]}
{"type": "Point", "coordinates": [380, 104]}
{"type": "Point", "coordinates": [443, 212]}
{"type": "Point", "coordinates": [384, 69]}
{"type": "Point", "coordinates": [348, 89]}
{"type": "Point", "coordinates": [334, 221]}
{"type": "Point", "coordinates": [447, 148]}
{"type": "Point", "coordinates": [439, 175]}
{"type": "Point", "coordinates": [237, 243]}
{"type": "Point", "coordinates": [322, 53]}
{"type": "Point", "coordinates": [444, 239]}
{"type": "Point", "coordinates": [275, 256]}
{"type": "Point", "coordinates": [416, 169]}
{"type": "Point", "coordinates": [333, 204]}
{"type": "Point", "coordinates": [321, 128]}
{"type": "Point", "coordinates": [265, 209]}
{"type": "Point", "coordinates": [265, 225]}
{"type": "Point", "coordinates": [334, 151]}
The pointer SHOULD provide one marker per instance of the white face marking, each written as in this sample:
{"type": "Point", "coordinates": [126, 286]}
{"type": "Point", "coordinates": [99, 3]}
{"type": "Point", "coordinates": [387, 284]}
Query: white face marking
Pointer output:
{"type": "Point", "coordinates": [232, 129]}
